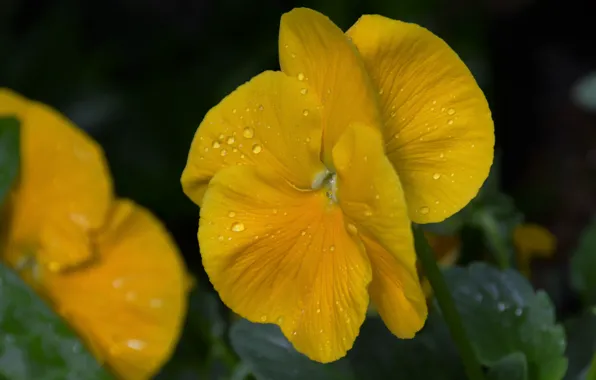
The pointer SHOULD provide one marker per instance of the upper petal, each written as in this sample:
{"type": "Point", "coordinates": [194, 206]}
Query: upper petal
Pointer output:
{"type": "Point", "coordinates": [370, 194]}
{"type": "Point", "coordinates": [267, 122]}
{"type": "Point", "coordinates": [64, 188]}
{"type": "Point", "coordinates": [316, 51]}
{"type": "Point", "coordinates": [279, 255]}
{"type": "Point", "coordinates": [130, 303]}
{"type": "Point", "coordinates": [438, 131]}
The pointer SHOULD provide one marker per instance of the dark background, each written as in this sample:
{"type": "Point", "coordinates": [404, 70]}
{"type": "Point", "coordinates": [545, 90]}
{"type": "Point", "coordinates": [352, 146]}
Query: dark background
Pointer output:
{"type": "Point", "coordinates": [140, 75]}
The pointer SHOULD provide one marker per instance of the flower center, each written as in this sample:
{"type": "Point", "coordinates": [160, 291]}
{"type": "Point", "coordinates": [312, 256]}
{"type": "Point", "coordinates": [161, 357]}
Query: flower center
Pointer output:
{"type": "Point", "coordinates": [326, 181]}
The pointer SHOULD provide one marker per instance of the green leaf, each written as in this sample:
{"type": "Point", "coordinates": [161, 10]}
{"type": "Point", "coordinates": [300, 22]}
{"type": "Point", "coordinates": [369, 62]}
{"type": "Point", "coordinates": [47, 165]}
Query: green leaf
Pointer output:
{"type": "Point", "coordinates": [36, 343]}
{"type": "Point", "coordinates": [9, 154]}
{"type": "Point", "coordinates": [503, 315]}
{"type": "Point", "coordinates": [270, 356]}
{"type": "Point", "coordinates": [378, 354]}
{"type": "Point", "coordinates": [581, 344]}
{"type": "Point", "coordinates": [583, 265]}
{"type": "Point", "coordinates": [511, 367]}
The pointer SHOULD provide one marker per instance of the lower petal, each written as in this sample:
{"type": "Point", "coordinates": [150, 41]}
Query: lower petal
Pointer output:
{"type": "Point", "coordinates": [279, 255]}
{"type": "Point", "coordinates": [370, 194]}
{"type": "Point", "coordinates": [396, 291]}
{"type": "Point", "coordinates": [130, 320]}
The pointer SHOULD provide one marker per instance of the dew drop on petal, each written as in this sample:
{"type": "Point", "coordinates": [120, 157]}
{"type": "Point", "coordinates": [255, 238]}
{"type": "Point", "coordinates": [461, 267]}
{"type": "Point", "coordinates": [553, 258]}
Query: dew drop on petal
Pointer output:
{"type": "Point", "coordinates": [304, 91]}
{"type": "Point", "coordinates": [263, 318]}
{"type": "Point", "coordinates": [220, 238]}
{"type": "Point", "coordinates": [318, 311]}
{"type": "Point", "coordinates": [450, 121]}
{"type": "Point", "coordinates": [332, 248]}
{"type": "Point", "coordinates": [424, 210]}
{"type": "Point", "coordinates": [248, 132]}
{"type": "Point", "coordinates": [302, 232]}
{"type": "Point", "coordinates": [231, 140]}
{"type": "Point", "coordinates": [223, 152]}
{"type": "Point", "coordinates": [261, 107]}
{"type": "Point", "coordinates": [215, 144]}
{"type": "Point", "coordinates": [352, 229]}
{"type": "Point", "coordinates": [231, 214]}
{"type": "Point", "coordinates": [381, 91]}
{"type": "Point", "coordinates": [234, 110]}
{"type": "Point", "coordinates": [238, 227]}
{"type": "Point", "coordinates": [442, 155]}
{"type": "Point", "coordinates": [450, 111]}
{"type": "Point", "coordinates": [305, 112]}
{"type": "Point", "coordinates": [436, 175]}
{"type": "Point", "coordinates": [300, 76]}
{"type": "Point", "coordinates": [256, 149]}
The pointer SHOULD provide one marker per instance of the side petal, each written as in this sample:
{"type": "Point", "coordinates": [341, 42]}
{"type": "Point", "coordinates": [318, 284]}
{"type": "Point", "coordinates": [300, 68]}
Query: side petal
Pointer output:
{"type": "Point", "coordinates": [370, 194]}
{"type": "Point", "coordinates": [267, 122]}
{"type": "Point", "coordinates": [129, 305]}
{"type": "Point", "coordinates": [314, 50]}
{"type": "Point", "coordinates": [279, 255]}
{"type": "Point", "coordinates": [64, 189]}
{"type": "Point", "coordinates": [438, 131]}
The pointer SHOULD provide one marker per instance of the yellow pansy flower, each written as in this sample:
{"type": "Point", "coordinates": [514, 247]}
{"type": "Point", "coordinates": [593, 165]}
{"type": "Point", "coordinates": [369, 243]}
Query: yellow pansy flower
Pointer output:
{"type": "Point", "coordinates": [107, 266]}
{"type": "Point", "coordinates": [530, 241]}
{"type": "Point", "coordinates": [308, 179]}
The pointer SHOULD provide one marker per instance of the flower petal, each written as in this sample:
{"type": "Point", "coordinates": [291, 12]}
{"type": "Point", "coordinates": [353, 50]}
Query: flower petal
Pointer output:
{"type": "Point", "coordinates": [316, 51]}
{"type": "Point", "coordinates": [279, 255]}
{"type": "Point", "coordinates": [438, 131]}
{"type": "Point", "coordinates": [64, 189]}
{"type": "Point", "coordinates": [266, 122]}
{"type": "Point", "coordinates": [130, 303]}
{"type": "Point", "coordinates": [370, 194]}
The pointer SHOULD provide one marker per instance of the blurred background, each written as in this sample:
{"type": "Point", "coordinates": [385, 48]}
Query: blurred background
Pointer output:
{"type": "Point", "coordinates": [140, 75]}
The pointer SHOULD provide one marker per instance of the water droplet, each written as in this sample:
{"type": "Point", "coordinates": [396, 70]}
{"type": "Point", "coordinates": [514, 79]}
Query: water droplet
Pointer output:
{"type": "Point", "coordinates": [216, 144]}
{"type": "Point", "coordinates": [450, 111]}
{"type": "Point", "coordinates": [231, 214]}
{"type": "Point", "coordinates": [424, 210]}
{"type": "Point", "coordinates": [206, 149]}
{"type": "Point", "coordinates": [377, 196]}
{"type": "Point", "coordinates": [368, 213]}
{"type": "Point", "coordinates": [381, 92]}
{"type": "Point", "coordinates": [434, 102]}
{"type": "Point", "coordinates": [136, 344]}
{"type": "Point", "coordinates": [238, 227]}
{"type": "Point", "coordinates": [501, 306]}
{"type": "Point", "coordinates": [248, 132]}
{"type": "Point", "coordinates": [321, 331]}
{"type": "Point", "coordinates": [436, 175]}
{"type": "Point", "coordinates": [221, 137]}
{"type": "Point", "coordinates": [332, 248]}
{"type": "Point", "coordinates": [263, 318]}
{"type": "Point", "coordinates": [304, 91]}
{"type": "Point", "coordinates": [307, 139]}
{"type": "Point", "coordinates": [261, 107]}
{"type": "Point", "coordinates": [318, 311]}
{"type": "Point", "coordinates": [220, 238]}
{"type": "Point", "coordinates": [392, 114]}
{"type": "Point", "coordinates": [305, 112]}
{"type": "Point", "coordinates": [518, 311]}
{"type": "Point", "coordinates": [442, 155]}
{"type": "Point", "coordinates": [300, 76]}
{"type": "Point", "coordinates": [450, 121]}
{"type": "Point", "coordinates": [352, 229]}
{"type": "Point", "coordinates": [294, 333]}
{"type": "Point", "coordinates": [302, 232]}
{"type": "Point", "coordinates": [223, 152]}
{"type": "Point", "coordinates": [437, 202]}
{"type": "Point", "coordinates": [231, 140]}
{"type": "Point", "coordinates": [280, 320]}
{"type": "Point", "coordinates": [256, 149]}
{"type": "Point", "coordinates": [234, 110]}
{"type": "Point", "coordinates": [396, 136]}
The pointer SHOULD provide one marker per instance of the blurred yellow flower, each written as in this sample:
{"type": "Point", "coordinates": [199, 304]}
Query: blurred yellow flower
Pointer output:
{"type": "Point", "coordinates": [530, 241]}
{"type": "Point", "coordinates": [95, 259]}
{"type": "Point", "coordinates": [308, 179]}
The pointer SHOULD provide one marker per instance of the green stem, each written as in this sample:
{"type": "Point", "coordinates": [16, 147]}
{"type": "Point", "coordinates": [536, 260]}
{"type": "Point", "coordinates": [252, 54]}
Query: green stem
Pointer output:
{"type": "Point", "coordinates": [499, 248]}
{"type": "Point", "coordinates": [454, 322]}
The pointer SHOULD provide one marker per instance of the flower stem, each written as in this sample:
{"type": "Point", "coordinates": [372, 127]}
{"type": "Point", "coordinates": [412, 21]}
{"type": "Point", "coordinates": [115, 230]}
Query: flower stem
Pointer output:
{"type": "Point", "coordinates": [494, 238]}
{"type": "Point", "coordinates": [437, 281]}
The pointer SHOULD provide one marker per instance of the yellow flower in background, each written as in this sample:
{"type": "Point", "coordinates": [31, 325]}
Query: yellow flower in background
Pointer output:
{"type": "Point", "coordinates": [531, 241]}
{"type": "Point", "coordinates": [107, 266]}
{"type": "Point", "coordinates": [308, 179]}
